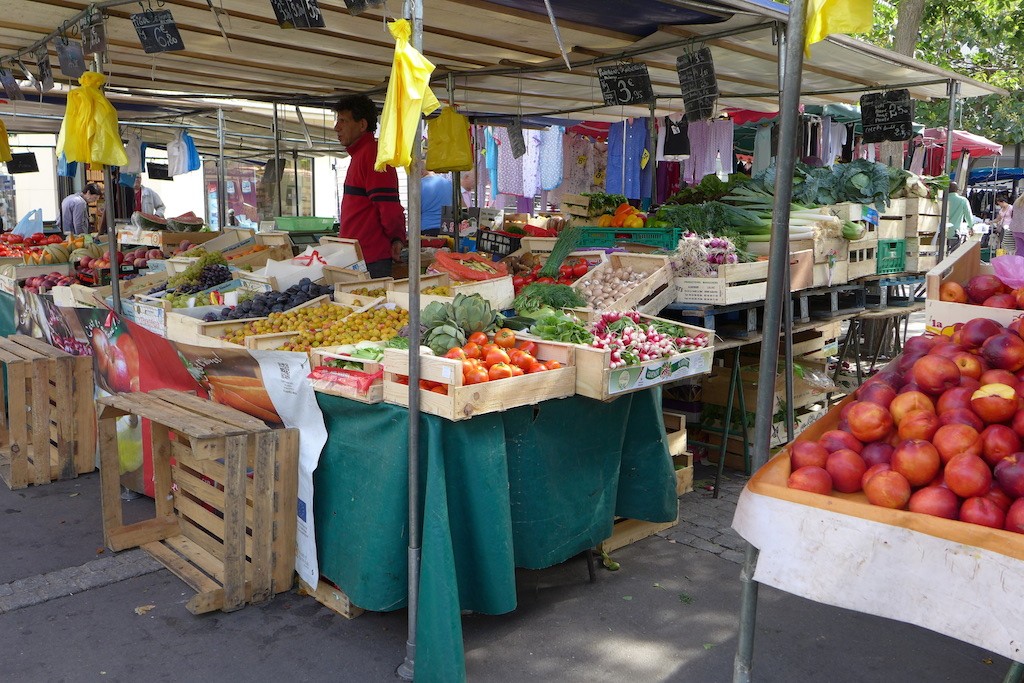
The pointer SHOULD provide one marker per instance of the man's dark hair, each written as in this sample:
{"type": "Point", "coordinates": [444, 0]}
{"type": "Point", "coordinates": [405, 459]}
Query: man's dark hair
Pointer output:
{"type": "Point", "coordinates": [361, 107]}
{"type": "Point", "coordinates": [93, 188]}
{"type": "Point", "coordinates": [953, 187]}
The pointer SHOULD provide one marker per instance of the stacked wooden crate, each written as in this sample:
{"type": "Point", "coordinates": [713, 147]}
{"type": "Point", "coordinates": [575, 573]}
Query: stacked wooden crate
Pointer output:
{"type": "Point", "coordinates": [919, 220]}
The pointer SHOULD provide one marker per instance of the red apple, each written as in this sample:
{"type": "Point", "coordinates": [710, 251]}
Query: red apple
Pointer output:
{"type": "Point", "coordinates": [888, 376]}
{"type": "Point", "coordinates": [953, 292]}
{"type": "Point", "coordinates": [957, 397]}
{"type": "Point", "coordinates": [916, 460]}
{"type": "Point", "coordinates": [967, 476]}
{"type": "Point", "coordinates": [835, 439]}
{"type": "Point", "coordinates": [936, 501]}
{"type": "Point", "coordinates": [878, 393]}
{"type": "Point", "coordinates": [872, 471]}
{"type": "Point", "coordinates": [1001, 301]}
{"type": "Point", "coordinates": [998, 376]}
{"type": "Point", "coordinates": [806, 453]}
{"type": "Point", "coordinates": [948, 350]}
{"type": "Point", "coordinates": [995, 402]}
{"type": "Point", "coordinates": [969, 364]}
{"type": "Point", "coordinates": [998, 496]}
{"type": "Point", "coordinates": [963, 416]}
{"type": "Point", "coordinates": [811, 478]}
{"type": "Point", "coordinates": [1004, 351]}
{"type": "Point", "coordinates": [1009, 473]}
{"type": "Point", "coordinates": [888, 489]}
{"type": "Point", "coordinates": [869, 421]}
{"type": "Point", "coordinates": [876, 453]}
{"type": "Point", "coordinates": [1015, 517]}
{"type": "Point", "coordinates": [919, 424]}
{"type": "Point", "coordinates": [906, 362]}
{"type": "Point", "coordinates": [921, 344]}
{"type": "Point", "coordinates": [976, 332]}
{"type": "Point", "coordinates": [997, 442]}
{"type": "Point", "coordinates": [1018, 295]}
{"type": "Point", "coordinates": [969, 383]}
{"type": "Point", "coordinates": [935, 374]}
{"type": "Point", "coordinates": [846, 468]}
{"type": "Point", "coordinates": [908, 387]}
{"type": "Point", "coordinates": [982, 511]}
{"type": "Point", "coordinates": [981, 287]}
{"type": "Point", "coordinates": [906, 402]}
{"type": "Point", "coordinates": [953, 439]}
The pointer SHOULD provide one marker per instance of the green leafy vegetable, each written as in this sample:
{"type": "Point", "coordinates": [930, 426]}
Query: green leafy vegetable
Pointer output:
{"type": "Point", "coordinates": [561, 328]}
{"type": "Point", "coordinates": [566, 243]}
{"type": "Point", "coordinates": [540, 295]}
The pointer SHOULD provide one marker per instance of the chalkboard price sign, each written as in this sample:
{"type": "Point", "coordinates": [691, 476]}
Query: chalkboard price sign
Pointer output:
{"type": "Point", "coordinates": [887, 116]}
{"type": "Point", "coordinates": [515, 138]}
{"type": "Point", "coordinates": [94, 34]}
{"type": "Point", "coordinates": [298, 13]}
{"type": "Point", "coordinates": [625, 84]}
{"type": "Point", "coordinates": [696, 71]}
{"type": "Point", "coordinates": [157, 31]}
{"type": "Point", "coordinates": [72, 61]}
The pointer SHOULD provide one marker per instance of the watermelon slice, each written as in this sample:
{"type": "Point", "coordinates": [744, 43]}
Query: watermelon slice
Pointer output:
{"type": "Point", "coordinates": [186, 222]}
{"type": "Point", "coordinates": [149, 221]}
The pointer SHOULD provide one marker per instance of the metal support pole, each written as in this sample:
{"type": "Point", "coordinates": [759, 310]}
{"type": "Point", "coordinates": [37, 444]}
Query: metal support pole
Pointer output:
{"type": "Point", "coordinates": [413, 11]}
{"type": "Point", "coordinates": [277, 155]}
{"type": "Point", "coordinates": [456, 176]}
{"type": "Point", "coordinates": [222, 198]}
{"type": "Point", "coordinates": [652, 162]}
{"type": "Point", "coordinates": [295, 178]}
{"type": "Point", "coordinates": [791, 49]}
{"type": "Point", "coordinates": [952, 89]}
{"type": "Point", "coordinates": [108, 217]}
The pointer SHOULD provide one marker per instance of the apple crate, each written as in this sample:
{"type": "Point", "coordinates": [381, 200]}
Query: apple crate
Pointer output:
{"type": "Point", "coordinates": [232, 540]}
{"type": "Point", "coordinates": [46, 429]}
{"type": "Point", "coordinates": [651, 294]}
{"type": "Point", "coordinates": [941, 317]}
{"type": "Point", "coordinates": [464, 401]}
{"type": "Point", "coordinates": [323, 356]}
{"type": "Point", "coordinates": [498, 292]}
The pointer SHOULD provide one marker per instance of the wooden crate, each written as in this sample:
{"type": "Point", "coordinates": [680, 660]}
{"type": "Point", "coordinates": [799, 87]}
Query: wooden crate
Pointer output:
{"type": "Point", "coordinates": [375, 394]}
{"type": "Point", "coordinates": [498, 292]}
{"type": "Point", "coordinates": [368, 284]}
{"type": "Point", "coordinates": [738, 283]}
{"type": "Point", "coordinates": [233, 541]}
{"type": "Point", "coordinates": [922, 253]}
{"type": "Point", "coordinates": [48, 433]}
{"type": "Point", "coordinates": [256, 259]}
{"type": "Point", "coordinates": [683, 464]}
{"type": "Point", "coordinates": [465, 401]}
{"type": "Point", "coordinates": [863, 259]}
{"type": "Point", "coordinates": [829, 275]}
{"type": "Point", "coordinates": [331, 597]}
{"type": "Point", "coordinates": [941, 317]}
{"type": "Point", "coordinates": [274, 340]}
{"type": "Point", "coordinates": [822, 247]}
{"type": "Point", "coordinates": [892, 228]}
{"type": "Point", "coordinates": [675, 431]}
{"type": "Point", "coordinates": [196, 331]}
{"type": "Point", "coordinates": [627, 531]}
{"type": "Point", "coordinates": [650, 295]}
{"type": "Point", "coordinates": [337, 275]}
{"type": "Point", "coordinates": [164, 240]}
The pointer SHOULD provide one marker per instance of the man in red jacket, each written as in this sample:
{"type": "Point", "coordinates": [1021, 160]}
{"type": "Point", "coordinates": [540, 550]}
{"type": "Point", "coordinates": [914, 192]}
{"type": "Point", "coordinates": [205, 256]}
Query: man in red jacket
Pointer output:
{"type": "Point", "coordinates": [371, 211]}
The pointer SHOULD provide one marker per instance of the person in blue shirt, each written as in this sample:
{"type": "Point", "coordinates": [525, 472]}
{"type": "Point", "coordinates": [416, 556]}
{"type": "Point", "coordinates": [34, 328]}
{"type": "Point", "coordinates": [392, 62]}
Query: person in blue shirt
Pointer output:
{"type": "Point", "coordinates": [436, 193]}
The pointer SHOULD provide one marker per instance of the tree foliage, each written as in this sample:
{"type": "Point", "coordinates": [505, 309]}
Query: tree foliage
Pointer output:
{"type": "Point", "coordinates": [983, 39]}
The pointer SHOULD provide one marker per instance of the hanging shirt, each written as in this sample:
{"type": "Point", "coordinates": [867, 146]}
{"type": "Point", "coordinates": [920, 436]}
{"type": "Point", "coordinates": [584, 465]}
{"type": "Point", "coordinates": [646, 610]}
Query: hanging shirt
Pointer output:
{"type": "Point", "coordinates": [677, 140]}
{"type": "Point", "coordinates": [177, 156]}
{"type": "Point", "coordinates": [371, 211]}
{"type": "Point", "coordinates": [510, 169]}
{"type": "Point", "coordinates": [710, 141]}
{"type": "Point", "coordinates": [623, 175]}
{"type": "Point", "coordinates": [551, 157]}
{"type": "Point", "coordinates": [491, 160]}
{"type": "Point", "coordinates": [531, 163]}
{"type": "Point", "coordinates": [135, 150]}
{"type": "Point", "coordinates": [762, 148]}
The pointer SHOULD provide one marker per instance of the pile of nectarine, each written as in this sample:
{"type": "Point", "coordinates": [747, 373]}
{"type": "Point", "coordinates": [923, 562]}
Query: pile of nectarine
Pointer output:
{"type": "Point", "coordinates": [982, 290]}
{"type": "Point", "coordinates": [939, 431]}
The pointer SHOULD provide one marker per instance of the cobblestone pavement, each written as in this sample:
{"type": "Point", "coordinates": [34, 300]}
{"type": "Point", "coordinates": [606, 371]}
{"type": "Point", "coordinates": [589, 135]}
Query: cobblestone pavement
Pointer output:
{"type": "Point", "coordinates": [705, 522]}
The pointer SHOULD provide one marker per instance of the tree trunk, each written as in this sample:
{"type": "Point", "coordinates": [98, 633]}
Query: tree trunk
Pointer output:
{"type": "Point", "coordinates": [908, 25]}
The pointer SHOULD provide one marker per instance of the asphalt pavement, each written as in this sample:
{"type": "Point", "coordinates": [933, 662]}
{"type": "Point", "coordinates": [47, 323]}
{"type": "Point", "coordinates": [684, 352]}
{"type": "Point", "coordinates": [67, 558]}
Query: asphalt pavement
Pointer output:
{"type": "Point", "coordinates": [72, 611]}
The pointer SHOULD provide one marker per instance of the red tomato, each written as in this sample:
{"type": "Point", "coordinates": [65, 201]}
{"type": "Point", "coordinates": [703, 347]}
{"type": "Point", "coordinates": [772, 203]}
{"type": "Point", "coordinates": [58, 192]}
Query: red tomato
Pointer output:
{"type": "Point", "coordinates": [456, 353]}
{"type": "Point", "coordinates": [505, 338]}
{"type": "Point", "coordinates": [567, 281]}
{"type": "Point", "coordinates": [495, 356]}
{"type": "Point", "coordinates": [580, 268]}
{"type": "Point", "coordinates": [472, 350]}
{"type": "Point", "coordinates": [565, 270]}
{"type": "Point", "coordinates": [427, 384]}
{"type": "Point", "coordinates": [441, 389]}
{"type": "Point", "coordinates": [518, 282]}
{"type": "Point", "coordinates": [499, 371]}
{"type": "Point", "coordinates": [517, 371]}
{"type": "Point", "coordinates": [546, 280]}
{"type": "Point", "coordinates": [478, 338]}
{"type": "Point", "coordinates": [476, 376]}
{"type": "Point", "coordinates": [523, 360]}
{"type": "Point", "coordinates": [528, 346]}
{"type": "Point", "coordinates": [536, 366]}
{"type": "Point", "coordinates": [553, 365]}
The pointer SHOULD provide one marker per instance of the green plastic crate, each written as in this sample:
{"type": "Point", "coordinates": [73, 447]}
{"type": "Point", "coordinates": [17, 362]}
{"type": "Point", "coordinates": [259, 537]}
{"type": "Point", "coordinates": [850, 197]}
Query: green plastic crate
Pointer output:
{"type": "Point", "coordinates": [304, 223]}
{"type": "Point", "coordinates": [605, 238]}
{"type": "Point", "coordinates": [892, 256]}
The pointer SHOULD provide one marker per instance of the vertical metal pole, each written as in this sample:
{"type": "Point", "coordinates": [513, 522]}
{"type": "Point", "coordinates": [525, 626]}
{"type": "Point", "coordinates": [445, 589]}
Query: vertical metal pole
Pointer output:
{"type": "Point", "coordinates": [456, 176]}
{"type": "Point", "coordinates": [414, 12]}
{"type": "Point", "coordinates": [295, 178]}
{"type": "Point", "coordinates": [108, 217]}
{"type": "Point", "coordinates": [278, 171]}
{"type": "Point", "coordinates": [952, 89]}
{"type": "Point", "coordinates": [791, 50]}
{"type": "Point", "coordinates": [222, 197]}
{"type": "Point", "coordinates": [652, 162]}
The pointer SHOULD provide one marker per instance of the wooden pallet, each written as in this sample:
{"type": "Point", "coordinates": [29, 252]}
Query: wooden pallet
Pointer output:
{"type": "Point", "coordinates": [48, 432]}
{"type": "Point", "coordinates": [229, 536]}
{"type": "Point", "coordinates": [829, 302]}
{"type": "Point", "coordinates": [627, 531]}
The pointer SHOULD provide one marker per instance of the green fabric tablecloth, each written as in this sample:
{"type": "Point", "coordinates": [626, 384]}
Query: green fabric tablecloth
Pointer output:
{"type": "Point", "coordinates": [530, 487]}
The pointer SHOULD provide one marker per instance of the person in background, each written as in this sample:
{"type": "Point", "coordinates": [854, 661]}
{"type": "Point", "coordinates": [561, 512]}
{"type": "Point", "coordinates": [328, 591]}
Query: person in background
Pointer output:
{"type": "Point", "coordinates": [371, 210]}
{"type": "Point", "coordinates": [146, 200]}
{"type": "Point", "coordinates": [1016, 225]}
{"type": "Point", "coordinates": [74, 210]}
{"type": "Point", "coordinates": [958, 214]}
{"type": "Point", "coordinates": [467, 180]}
{"type": "Point", "coordinates": [435, 194]}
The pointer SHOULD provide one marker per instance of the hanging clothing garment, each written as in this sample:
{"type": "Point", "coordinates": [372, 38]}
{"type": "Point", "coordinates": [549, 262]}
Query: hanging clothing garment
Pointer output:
{"type": "Point", "coordinates": [917, 160]}
{"type": "Point", "coordinates": [673, 138]}
{"type": "Point", "coordinates": [65, 168]}
{"type": "Point", "coordinates": [600, 167]}
{"type": "Point", "coordinates": [846, 155]}
{"type": "Point", "coordinates": [510, 169]}
{"type": "Point", "coordinates": [709, 141]}
{"type": "Point", "coordinates": [935, 161]}
{"type": "Point", "coordinates": [578, 164]}
{"type": "Point", "coordinates": [623, 175]}
{"type": "Point", "coordinates": [531, 163]}
{"type": "Point", "coordinates": [177, 156]}
{"type": "Point", "coordinates": [491, 160]}
{"type": "Point", "coordinates": [551, 157]}
{"type": "Point", "coordinates": [669, 174]}
{"type": "Point", "coordinates": [135, 149]}
{"type": "Point", "coordinates": [833, 140]}
{"type": "Point", "coordinates": [647, 171]}
{"type": "Point", "coordinates": [762, 148]}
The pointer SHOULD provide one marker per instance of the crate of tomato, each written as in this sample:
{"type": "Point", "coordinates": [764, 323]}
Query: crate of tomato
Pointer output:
{"type": "Point", "coordinates": [569, 272]}
{"type": "Point", "coordinates": [486, 375]}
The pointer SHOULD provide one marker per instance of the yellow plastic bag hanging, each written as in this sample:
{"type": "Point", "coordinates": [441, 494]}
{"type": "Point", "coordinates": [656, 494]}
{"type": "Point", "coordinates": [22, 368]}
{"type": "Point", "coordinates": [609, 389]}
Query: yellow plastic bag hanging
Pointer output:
{"type": "Point", "coordinates": [448, 146]}
{"type": "Point", "coordinates": [89, 131]}
{"type": "Point", "coordinates": [5, 144]}
{"type": "Point", "coordinates": [408, 95]}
